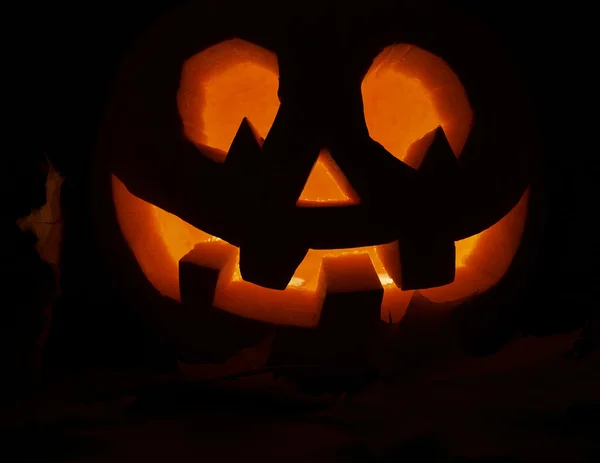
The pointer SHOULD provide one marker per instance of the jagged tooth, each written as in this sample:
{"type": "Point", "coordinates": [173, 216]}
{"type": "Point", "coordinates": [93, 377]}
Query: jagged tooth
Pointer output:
{"type": "Point", "coordinates": [353, 310]}
{"type": "Point", "coordinates": [200, 326]}
{"type": "Point", "coordinates": [270, 265]}
{"type": "Point", "coordinates": [342, 342]}
{"type": "Point", "coordinates": [245, 148]}
{"type": "Point", "coordinates": [420, 262]}
{"type": "Point", "coordinates": [439, 161]}
{"type": "Point", "coordinates": [352, 304]}
{"type": "Point", "coordinates": [199, 271]}
{"type": "Point", "coordinates": [426, 260]}
{"type": "Point", "coordinates": [350, 273]}
{"type": "Point", "coordinates": [349, 319]}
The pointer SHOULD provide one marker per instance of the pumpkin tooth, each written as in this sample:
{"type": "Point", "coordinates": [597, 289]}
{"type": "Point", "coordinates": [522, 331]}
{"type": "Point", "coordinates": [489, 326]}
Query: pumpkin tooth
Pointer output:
{"type": "Point", "coordinates": [269, 265]}
{"type": "Point", "coordinates": [197, 283]}
{"type": "Point", "coordinates": [426, 260]}
{"type": "Point", "coordinates": [355, 311]}
{"type": "Point", "coordinates": [199, 320]}
{"type": "Point", "coordinates": [352, 304]}
{"type": "Point", "coordinates": [349, 320]}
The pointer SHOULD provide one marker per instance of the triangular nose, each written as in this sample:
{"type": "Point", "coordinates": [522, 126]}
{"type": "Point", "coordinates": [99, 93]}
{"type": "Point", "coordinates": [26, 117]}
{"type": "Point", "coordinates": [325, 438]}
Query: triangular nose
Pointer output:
{"type": "Point", "coordinates": [327, 186]}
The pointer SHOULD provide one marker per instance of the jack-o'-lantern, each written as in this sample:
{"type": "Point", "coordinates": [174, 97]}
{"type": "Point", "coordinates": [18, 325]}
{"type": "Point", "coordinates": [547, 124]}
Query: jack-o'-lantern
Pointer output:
{"type": "Point", "coordinates": [262, 165]}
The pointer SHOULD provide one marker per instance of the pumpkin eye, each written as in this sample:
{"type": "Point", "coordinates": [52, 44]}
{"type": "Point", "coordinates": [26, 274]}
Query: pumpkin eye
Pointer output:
{"type": "Point", "coordinates": [407, 93]}
{"type": "Point", "coordinates": [220, 86]}
{"type": "Point", "coordinates": [234, 80]}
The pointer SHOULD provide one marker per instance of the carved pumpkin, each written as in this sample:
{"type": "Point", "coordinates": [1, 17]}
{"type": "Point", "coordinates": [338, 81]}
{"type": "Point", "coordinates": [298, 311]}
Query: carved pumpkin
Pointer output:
{"type": "Point", "coordinates": [259, 166]}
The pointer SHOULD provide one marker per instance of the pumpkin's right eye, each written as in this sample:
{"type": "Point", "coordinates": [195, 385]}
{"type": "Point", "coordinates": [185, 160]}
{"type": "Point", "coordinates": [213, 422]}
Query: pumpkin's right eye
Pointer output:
{"type": "Point", "coordinates": [407, 93]}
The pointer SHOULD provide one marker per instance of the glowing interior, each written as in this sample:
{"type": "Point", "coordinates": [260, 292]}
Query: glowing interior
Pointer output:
{"type": "Point", "coordinates": [407, 93]}
{"type": "Point", "coordinates": [327, 185]}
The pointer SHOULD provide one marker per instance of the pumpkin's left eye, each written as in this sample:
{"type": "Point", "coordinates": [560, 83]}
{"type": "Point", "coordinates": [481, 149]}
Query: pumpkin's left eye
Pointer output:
{"type": "Point", "coordinates": [220, 86]}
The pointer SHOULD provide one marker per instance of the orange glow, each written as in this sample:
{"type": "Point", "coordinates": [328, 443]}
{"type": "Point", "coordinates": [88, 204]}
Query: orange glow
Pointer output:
{"type": "Point", "coordinates": [327, 185]}
{"type": "Point", "coordinates": [407, 93]}
{"type": "Point", "coordinates": [222, 85]}
{"type": "Point", "coordinates": [225, 83]}
{"type": "Point", "coordinates": [483, 259]}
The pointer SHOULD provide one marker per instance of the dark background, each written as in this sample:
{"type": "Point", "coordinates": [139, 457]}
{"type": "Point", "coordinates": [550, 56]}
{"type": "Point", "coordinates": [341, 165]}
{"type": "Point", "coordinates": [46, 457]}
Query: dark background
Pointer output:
{"type": "Point", "coordinates": [61, 59]}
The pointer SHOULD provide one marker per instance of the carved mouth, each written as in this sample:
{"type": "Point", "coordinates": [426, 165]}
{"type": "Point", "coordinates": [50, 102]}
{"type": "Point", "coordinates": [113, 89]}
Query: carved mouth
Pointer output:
{"type": "Point", "coordinates": [161, 242]}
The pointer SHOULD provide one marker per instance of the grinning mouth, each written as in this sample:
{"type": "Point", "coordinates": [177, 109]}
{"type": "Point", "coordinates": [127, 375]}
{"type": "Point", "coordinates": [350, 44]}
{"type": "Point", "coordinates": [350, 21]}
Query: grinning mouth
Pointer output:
{"type": "Point", "coordinates": [160, 240]}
